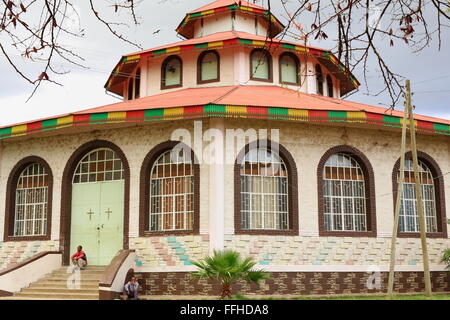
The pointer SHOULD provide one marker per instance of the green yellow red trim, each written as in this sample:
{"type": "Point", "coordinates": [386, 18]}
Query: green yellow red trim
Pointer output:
{"type": "Point", "coordinates": [233, 42]}
{"type": "Point", "coordinates": [225, 111]}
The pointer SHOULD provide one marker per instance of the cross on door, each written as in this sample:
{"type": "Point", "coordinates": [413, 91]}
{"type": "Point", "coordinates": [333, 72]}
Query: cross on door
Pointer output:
{"type": "Point", "coordinates": [90, 213]}
{"type": "Point", "coordinates": [108, 212]}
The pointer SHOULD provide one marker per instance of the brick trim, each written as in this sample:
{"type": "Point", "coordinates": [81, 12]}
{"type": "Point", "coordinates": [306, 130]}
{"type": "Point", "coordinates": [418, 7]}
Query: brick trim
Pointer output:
{"type": "Point", "coordinates": [199, 67]}
{"type": "Point", "coordinates": [66, 192]}
{"type": "Point", "coordinates": [269, 59]}
{"type": "Point", "coordinates": [291, 283]}
{"type": "Point", "coordinates": [439, 188]}
{"type": "Point", "coordinates": [163, 69]}
{"type": "Point", "coordinates": [144, 193]}
{"type": "Point", "coordinates": [292, 190]}
{"type": "Point", "coordinates": [10, 205]}
{"type": "Point", "coordinates": [297, 65]}
{"type": "Point", "coordinates": [369, 179]}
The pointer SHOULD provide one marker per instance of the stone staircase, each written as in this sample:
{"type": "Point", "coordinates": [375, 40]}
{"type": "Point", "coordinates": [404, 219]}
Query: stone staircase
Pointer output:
{"type": "Point", "coordinates": [54, 286]}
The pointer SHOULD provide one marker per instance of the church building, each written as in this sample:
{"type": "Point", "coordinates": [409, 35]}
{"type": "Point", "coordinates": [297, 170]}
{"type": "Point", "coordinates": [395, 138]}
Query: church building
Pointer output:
{"type": "Point", "coordinates": [233, 138]}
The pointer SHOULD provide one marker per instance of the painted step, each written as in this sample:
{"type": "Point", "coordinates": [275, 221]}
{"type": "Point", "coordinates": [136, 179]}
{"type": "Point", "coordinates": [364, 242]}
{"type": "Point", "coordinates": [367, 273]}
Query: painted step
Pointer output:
{"type": "Point", "coordinates": [58, 290]}
{"type": "Point", "coordinates": [30, 298]}
{"type": "Point", "coordinates": [59, 296]}
{"type": "Point", "coordinates": [52, 285]}
{"type": "Point", "coordinates": [59, 272]}
{"type": "Point", "coordinates": [63, 283]}
{"type": "Point", "coordinates": [66, 276]}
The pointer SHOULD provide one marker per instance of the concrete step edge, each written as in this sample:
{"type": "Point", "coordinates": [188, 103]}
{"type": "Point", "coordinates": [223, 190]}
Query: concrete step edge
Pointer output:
{"type": "Point", "coordinates": [59, 290]}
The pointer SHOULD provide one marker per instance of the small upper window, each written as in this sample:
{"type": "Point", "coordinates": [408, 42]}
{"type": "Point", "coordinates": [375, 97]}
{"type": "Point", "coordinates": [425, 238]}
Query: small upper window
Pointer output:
{"type": "Point", "coordinates": [319, 80]}
{"type": "Point", "coordinates": [171, 73]}
{"type": "Point", "coordinates": [260, 65]}
{"type": "Point", "coordinates": [289, 69]}
{"type": "Point", "coordinates": [137, 84]}
{"type": "Point", "coordinates": [330, 86]}
{"type": "Point", "coordinates": [208, 67]}
{"type": "Point", "coordinates": [130, 89]}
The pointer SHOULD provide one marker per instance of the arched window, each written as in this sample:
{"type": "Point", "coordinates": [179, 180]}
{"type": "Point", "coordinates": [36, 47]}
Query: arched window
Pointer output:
{"type": "Point", "coordinates": [172, 73]}
{"type": "Point", "coordinates": [344, 194]}
{"type": "Point", "coordinates": [409, 216]}
{"type": "Point", "coordinates": [130, 89]}
{"type": "Point", "coordinates": [170, 191]}
{"type": "Point", "coordinates": [330, 86]}
{"type": "Point", "coordinates": [99, 165]}
{"type": "Point", "coordinates": [260, 65]}
{"type": "Point", "coordinates": [137, 84]}
{"type": "Point", "coordinates": [266, 191]}
{"type": "Point", "coordinates": [346, 188]}
{"type": "Point", "coordinates": [289, 69]}
{"type": "Point", "coordinates": [319, 80]}
{"type": "Point", "coordinates": [208, 67]}
{"type": "Point", "coordinates": [29, 201]}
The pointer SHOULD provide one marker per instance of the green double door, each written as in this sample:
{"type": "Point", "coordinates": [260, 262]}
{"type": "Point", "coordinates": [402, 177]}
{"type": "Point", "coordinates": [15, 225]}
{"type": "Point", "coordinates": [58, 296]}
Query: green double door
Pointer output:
{"type": "Point", "coordinates": [97, 220]}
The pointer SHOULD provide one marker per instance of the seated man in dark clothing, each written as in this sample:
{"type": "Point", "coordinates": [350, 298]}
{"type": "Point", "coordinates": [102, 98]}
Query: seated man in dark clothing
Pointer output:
{"type": "Point", "coordinates": [79, 258]}
{"type": "Point", "coordinates": [131, 289]}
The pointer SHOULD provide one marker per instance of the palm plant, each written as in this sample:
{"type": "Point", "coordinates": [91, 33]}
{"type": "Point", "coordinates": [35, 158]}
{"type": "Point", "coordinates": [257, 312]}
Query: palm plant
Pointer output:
{"type": "Point", "coordinates": [227, 267]}
{"type": "Point", "coordinates": [446, 258]}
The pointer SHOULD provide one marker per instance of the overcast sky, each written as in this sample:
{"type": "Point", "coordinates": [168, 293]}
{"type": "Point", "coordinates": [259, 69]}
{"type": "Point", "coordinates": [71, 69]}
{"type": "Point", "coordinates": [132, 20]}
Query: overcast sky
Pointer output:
{"type": "Point", "coordinates": [429, 71]}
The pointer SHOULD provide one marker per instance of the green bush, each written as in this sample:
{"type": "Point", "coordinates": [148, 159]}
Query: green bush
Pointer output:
{"type": "Point", "coordinates": [228, 267]}
{"type": "Point", "coordinates": [446, 258]}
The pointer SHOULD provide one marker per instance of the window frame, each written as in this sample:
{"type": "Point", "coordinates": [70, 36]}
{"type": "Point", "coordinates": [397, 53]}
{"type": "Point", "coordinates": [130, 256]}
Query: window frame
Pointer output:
{"type": "Point", "coordinates": [369, 180]}
{"type": "Point", "coordinates": [292, 190]}
{"type": "Point", "coordinates": [353, 180]}
{"type": "Point", "coordinates": [439, 187]}
{"type": "Point", "coordinates": [98, 172]}
{"type": "Point", "coordinates": [319, 72]}
{"type": "Point", "coordinates": [10, 208]}
{"type": "Point", "coordinates": [269, 60]}
{"type": "Point", "coordinates": [137, 84]}
{"type": "Point", "coordinates": [130, 89]}
{"type": "Point", "coordinates": [329, 81]}
{"type": "Point", "coordinates": [144, 194]}
{"type": "Point", "coordinates": [163, 68]}
{"type": "Point", "coordinates": [297, 66]}
{"type": "Point", "coordinates": [199, 67]}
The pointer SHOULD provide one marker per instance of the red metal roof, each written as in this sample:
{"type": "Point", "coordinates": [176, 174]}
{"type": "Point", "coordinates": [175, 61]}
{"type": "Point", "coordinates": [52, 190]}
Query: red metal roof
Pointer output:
{"type": "Point", "coordinates": [220, 36]}
{"type": "Point", "coordinates": [186, 27]}
{"type": "Point", "coordinates": [249, 102]}
{"type": "Point", "coordinates": [258, 96]}
{"type": "Point", "coordinates": [223, 40]}
{"type": "Point", "coordinates": [224, 3]}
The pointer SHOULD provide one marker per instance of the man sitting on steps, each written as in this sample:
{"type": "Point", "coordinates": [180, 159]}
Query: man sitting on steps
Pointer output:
{"type": "Point", "coordinates": [130, 290]}
{"type": "Point", "coordinates": [79, 258]}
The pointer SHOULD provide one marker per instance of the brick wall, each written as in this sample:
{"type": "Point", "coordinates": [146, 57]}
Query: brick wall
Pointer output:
{"type": "Point", "coordinates": [292, 283]}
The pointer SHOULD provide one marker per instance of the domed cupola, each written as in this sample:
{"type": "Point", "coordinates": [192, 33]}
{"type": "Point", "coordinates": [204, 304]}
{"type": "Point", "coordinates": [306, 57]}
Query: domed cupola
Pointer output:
{"type": "Point", "coordinates": [229, 15]}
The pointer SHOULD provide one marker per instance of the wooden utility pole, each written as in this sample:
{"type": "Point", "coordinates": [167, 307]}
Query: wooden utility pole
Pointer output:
{"type": "Point", "coordinates": [418, 178]}
{"type": "Point", "coordinates": [408, 113]}
{"type": "Point", "coordinates": [400, 184]}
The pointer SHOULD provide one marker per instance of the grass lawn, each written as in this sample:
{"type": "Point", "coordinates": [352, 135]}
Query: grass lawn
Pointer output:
{"type": "Point", "coordinates": [437, 296]}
